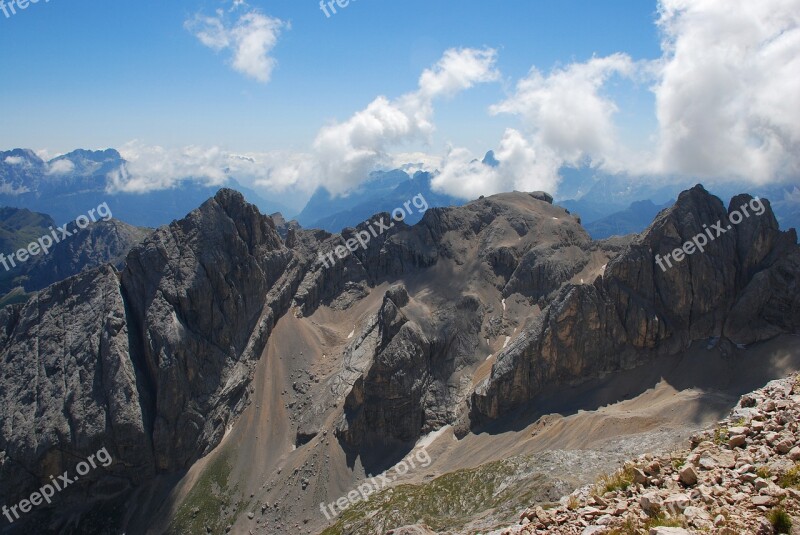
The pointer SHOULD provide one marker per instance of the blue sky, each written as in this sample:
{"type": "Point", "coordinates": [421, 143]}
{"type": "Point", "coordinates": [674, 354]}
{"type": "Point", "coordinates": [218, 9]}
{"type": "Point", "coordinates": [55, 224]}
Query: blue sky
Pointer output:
{"type": "Point", "coordinates": [96, 74]}
{"type": "Point", "coordinates": [138, 76]}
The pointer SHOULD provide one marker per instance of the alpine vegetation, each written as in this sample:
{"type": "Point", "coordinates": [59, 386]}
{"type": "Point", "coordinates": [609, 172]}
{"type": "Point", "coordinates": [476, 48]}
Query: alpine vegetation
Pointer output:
{"type": "Point", "coordinates": [42, 245]}
{"type": "Point", "coordinates": [377, 483]}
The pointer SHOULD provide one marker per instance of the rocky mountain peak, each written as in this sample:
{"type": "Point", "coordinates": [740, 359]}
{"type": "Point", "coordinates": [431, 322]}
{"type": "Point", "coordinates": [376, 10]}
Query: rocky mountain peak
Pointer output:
{"type": "Point", "coordinates": [457, 321]}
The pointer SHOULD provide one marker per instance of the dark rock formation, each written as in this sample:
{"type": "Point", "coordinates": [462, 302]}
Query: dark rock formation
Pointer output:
{"type": "Point", "coordinates": [284, 227]}
{"type": "Point", "coordinates": [408, 386]}
{"type": "Point", "coordinates": [100, 243]}
{"type": "Point", "coordinates": [744, 287]}
{"type": "Point", "coordinates": [203, 295]}
{"type": "Point", "coordinates": [154, 362]}
{"type": "Point", "coordinates": [69, 388]}
{"type": "Point", "coordinates": [151, 363]}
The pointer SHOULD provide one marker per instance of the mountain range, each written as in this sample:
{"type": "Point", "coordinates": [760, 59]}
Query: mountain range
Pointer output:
{"type": "Point", "coordinates": [64, 187]}
{"type": "Point", "coordinates": [240, 385]}
{"type": "Point", "coordinates": [99, 243]}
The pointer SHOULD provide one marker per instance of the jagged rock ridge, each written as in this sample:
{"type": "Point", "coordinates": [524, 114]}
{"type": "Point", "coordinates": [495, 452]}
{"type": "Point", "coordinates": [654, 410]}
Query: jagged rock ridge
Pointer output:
{"type": "Point", "coordinates": [163, 352]}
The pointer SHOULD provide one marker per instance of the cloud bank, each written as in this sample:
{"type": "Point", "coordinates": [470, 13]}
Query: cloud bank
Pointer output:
{"type": "Point", "coordinates": [725, 89]}
{"type": "Point", "coordinates": [728, 88]}
{"type": "Point", "coordinates": [343, 154]}
{"type": "Point", "coordinates": [347, 152]}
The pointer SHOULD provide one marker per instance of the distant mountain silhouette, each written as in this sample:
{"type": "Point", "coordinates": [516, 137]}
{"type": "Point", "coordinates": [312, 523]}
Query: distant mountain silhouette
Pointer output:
{"type": "Point", "coordinates": [383, 192]}
{"type": "Point", "coordinates": [632, 220]}
{"type": "Point", "coordinates": [69, 185]}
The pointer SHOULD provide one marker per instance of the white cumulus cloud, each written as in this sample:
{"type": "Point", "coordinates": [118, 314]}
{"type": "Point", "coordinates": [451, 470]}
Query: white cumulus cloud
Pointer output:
{"type": "Point", "coordinates": [250, 39]}
{"type": "Point", "coordinates": [522, 167]}
{"type": "Point", "coordinates": [566, 110]}
{"type": "Point", "coordinates": [728, 94]}
{"type": "Point", "coordinates": [151, 168]}
{"type": "Point", "coordinates": [347, 152]}
{"type": "Point", "coordinates": [565, 119]}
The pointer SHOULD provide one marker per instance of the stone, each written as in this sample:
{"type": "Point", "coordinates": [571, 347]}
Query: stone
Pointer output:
{"type": "Point", "coordinates": [737, 441]}
{"type": "Point", "coordinates": [639, 477]}
{"type": "Point", "coordinates": [595, 530]}
{"type": "Point", "coordinates": [695, 513]}
{"type": "Point", "coordinates": [650, 503]}
{"type": "Point", "coordinates": [784, 446]}
{"type": "Point", "coordinates": [763, 501]}
{"type": "Point", "coordinates": [725, 459]}
{"type": "Point", "coordinates": [707, 463]}
{"type": "Point", "coordinates": [688, 476]}
{"type": "Point", "coordinates": [676, 503]}
{"type": "Point", "coordinates": [653, 468]}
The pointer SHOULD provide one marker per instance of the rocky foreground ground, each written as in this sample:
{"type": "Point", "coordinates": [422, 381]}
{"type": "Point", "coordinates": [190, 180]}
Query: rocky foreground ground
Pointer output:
{"type": "Point", "coordinates": [741, 478]}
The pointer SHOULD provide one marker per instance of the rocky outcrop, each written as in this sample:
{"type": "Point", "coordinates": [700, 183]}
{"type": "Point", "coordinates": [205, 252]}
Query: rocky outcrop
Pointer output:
{"type": "Point", "coordinates": [151, 363]}
{"type": "Point", "coordinates": [100, 243]}
{"type": "Point", "coordinates": [742, 477]}
{"type": "Point", "coordinates": [744, 288]}
{"type": "Point", "coordinates": [203, 295]}
{"type": "Point", "coordinates": [155, 362]}
{"type": "Point", "coordinates": [69, 388]}
{"type": "Point", "coordinates": [283, 227]}
{"type": "Point", "coordinates": [405, 387]}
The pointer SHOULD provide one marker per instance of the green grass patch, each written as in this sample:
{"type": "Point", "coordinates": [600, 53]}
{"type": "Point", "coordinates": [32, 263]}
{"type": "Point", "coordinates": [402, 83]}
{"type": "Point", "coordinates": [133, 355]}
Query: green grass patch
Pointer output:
{"type": "Point", "coordinates": [763, 472]}
{"type": "Point", "coordinates": [204, 504]}
{"type": "Point", "coordinates": [447, 502]}
{"type": "Point", "coordinates": [780, 520]}
{"type": "Point", "coordinates": [791, 478]}
{"type": "Point", "coordinates": [721, 436]}
{"type": "Point", "coordinates": [619, 480]}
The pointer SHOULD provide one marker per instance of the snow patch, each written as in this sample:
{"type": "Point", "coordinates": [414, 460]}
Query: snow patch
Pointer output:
{"type": "Point", "coordinates": [352, 333]}
{"type": "Point", "coordinates": [505, 344]}
{"type": "Point", "coordinates": [504, 304]}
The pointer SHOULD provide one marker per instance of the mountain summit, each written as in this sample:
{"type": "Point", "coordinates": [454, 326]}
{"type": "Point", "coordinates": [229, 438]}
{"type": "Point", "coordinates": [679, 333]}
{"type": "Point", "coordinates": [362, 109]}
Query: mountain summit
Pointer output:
{"type": "Point", "coordinates": [227, 366]}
